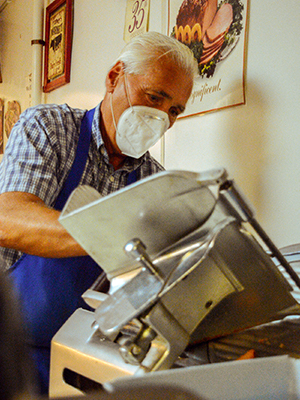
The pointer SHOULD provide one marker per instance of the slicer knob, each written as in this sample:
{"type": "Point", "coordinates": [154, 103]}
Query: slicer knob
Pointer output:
{"type": "Point", "coordinates": [136, 249]}
{"type": "Point", "coordinates": [134, 350]}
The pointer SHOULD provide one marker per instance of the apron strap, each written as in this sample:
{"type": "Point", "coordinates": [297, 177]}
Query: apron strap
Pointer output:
{"type": "Point", "coordinates": [80, 160]}
{"type": "Point", "coordinates": [132, 177]}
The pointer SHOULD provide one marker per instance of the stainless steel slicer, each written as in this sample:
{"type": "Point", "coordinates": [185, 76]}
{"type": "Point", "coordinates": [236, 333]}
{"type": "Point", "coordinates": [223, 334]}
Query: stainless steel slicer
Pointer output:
{"type": "Point", "coordinates": [187, 262]}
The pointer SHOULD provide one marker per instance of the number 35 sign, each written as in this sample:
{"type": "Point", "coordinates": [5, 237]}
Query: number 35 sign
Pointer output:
{"type": "Point", "coordinates": [136, 21]}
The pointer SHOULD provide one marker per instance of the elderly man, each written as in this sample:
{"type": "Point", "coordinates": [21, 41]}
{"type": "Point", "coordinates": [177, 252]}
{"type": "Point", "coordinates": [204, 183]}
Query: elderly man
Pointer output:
{"type": "Point", "coordinates": [54, 148]}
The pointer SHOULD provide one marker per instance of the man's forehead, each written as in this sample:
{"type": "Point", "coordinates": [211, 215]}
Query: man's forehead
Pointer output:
{"type": "Point", "coordinates": [168, 81]}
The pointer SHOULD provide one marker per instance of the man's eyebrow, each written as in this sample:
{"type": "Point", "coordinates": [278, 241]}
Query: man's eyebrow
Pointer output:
{"type": "Point", "coordinates": [163, 94]}
{"type": "Point", "coordinates": [167, 96]}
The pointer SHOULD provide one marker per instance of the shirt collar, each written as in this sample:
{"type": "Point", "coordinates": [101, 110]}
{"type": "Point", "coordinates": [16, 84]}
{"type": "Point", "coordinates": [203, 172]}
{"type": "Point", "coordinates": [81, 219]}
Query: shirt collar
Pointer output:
{"type": "Point", "coordinates": [96, 131]}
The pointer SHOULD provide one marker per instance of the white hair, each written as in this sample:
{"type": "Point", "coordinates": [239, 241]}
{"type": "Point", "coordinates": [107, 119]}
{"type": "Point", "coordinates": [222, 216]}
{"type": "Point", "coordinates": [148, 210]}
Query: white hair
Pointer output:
{"type": "Point", "coordinates": [143, 51]}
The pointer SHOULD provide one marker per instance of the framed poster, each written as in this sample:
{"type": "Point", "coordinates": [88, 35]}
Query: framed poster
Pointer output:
{"type": "Point", "coordinates": [58, 44]}
{"type": "Point", "coordinates": [215, 31]}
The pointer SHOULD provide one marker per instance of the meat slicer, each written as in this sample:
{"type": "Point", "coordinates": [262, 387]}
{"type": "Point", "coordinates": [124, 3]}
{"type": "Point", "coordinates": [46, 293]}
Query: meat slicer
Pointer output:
{"type": "Point", "coordinates": [187, 262]}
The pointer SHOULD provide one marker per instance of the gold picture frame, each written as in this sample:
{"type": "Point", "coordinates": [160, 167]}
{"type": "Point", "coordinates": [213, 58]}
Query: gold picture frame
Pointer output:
{"type": "Point", "coordinates": [58, 44]}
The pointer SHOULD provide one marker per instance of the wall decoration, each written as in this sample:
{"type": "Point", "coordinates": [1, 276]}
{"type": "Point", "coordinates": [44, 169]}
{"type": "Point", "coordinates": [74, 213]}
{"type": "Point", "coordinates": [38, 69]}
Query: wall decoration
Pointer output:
{"type": "Point", "coordinates": [137, 18]}
{"type": "Point", "coordinates": [11, 116]}
{"type": "Point", "coordinates": [215, 30]}
{"type": "Point", "coordinates": [57, 64]}
{"type": "Point", "coordinates": [1, 126]}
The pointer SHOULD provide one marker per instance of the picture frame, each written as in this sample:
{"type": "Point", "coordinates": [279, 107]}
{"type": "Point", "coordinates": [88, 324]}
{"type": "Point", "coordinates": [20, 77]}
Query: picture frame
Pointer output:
{"type": "Point", "coordinates": [221, 57]}
{"type": "Point", "coordinates": [58, 44]}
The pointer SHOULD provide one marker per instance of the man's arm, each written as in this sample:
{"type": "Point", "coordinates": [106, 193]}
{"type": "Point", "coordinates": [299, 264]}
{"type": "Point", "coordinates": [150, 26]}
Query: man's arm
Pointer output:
{"type": "Point", "coordinates": [28, 225]}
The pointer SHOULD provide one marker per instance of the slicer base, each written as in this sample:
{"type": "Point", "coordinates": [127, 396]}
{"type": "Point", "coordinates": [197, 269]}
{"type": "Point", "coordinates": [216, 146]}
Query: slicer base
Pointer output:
{"type": "Point", "coordinates": [82, 360]}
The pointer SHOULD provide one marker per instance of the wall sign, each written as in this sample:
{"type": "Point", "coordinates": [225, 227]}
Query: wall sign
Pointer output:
{"type": "Point", "coordinates": [57, 67]}
{"type": "Point", "coordinates": [12, 115]}
{"type": "Point", "coordinates": [1, 126]}
{"type": "Point", "coordinates": [136, 19]}
{"type": "Point", "coordinates": [215, 31]}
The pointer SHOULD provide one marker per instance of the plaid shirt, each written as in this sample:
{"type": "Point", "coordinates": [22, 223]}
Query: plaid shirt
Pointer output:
{"type": "Point", "coordinates": [41, 150]}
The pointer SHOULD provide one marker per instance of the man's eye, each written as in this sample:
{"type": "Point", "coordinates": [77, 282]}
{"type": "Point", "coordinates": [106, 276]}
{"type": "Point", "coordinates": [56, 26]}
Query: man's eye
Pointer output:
{"type": "Point", "coordinates": [153, 98]}
{"type": "Point", "coordinates": [174, 112]}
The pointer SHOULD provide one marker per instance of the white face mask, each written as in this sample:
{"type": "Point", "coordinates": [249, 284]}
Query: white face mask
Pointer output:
{"type": "Point", "coordinates": [139, 128]}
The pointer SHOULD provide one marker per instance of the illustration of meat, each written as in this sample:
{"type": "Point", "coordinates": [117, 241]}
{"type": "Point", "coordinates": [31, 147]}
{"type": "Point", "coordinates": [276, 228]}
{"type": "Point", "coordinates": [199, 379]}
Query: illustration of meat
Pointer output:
{"type": "Point", "coordinates": [193, 18]}
{"type": "Point", "coordinates": [209, 15]}
{"type": "Point", "coordinates": [221, 23]}
{"type": "Point", "coordinates": [201, 20]}
{"type": "Point", "coordinates": [215, 34]}
{"type": "Point", "coordinates": [210, 49]}
{"type": "Point", "coordinates": [191, 12]}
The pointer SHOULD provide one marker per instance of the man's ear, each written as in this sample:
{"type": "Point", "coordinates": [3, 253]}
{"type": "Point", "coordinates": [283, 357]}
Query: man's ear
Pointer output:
{"type": "Point", "coordinates": [113, 76]}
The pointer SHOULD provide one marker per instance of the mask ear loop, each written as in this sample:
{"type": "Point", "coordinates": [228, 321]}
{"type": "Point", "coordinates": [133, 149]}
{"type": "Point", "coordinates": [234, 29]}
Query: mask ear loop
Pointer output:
{"type": "Point", "coordinates": [126, 90]}
{"type": "Point", "coordinates": [128, 99]}
{"type": "Point", "coordinates": [112, 112]}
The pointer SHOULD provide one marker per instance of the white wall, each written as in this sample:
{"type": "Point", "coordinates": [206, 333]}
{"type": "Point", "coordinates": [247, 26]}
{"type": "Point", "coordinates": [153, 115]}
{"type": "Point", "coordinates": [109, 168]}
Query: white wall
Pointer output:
{"type": "Point", "coordinates": [258, 142]}
{"type": "Point", "coordinates": [15, 51]}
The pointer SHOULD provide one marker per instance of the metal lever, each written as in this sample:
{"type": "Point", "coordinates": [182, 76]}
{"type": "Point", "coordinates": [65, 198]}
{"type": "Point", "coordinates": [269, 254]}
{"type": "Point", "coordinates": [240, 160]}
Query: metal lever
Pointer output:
{"type": "Point", "coordinates": [136, 249]}
{"type": "Point", "coordinates": [235, 201]}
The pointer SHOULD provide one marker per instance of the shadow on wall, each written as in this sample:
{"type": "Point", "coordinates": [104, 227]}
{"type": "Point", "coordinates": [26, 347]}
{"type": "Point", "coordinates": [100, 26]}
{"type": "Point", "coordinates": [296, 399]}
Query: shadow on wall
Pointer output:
{"type": "Point", "coordinates": [244, 144]}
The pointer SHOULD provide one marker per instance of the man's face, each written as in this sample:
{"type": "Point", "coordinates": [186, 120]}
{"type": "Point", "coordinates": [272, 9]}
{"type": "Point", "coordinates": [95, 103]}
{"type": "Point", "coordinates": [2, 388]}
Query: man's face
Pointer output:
{"type": "Point", "coordinates": [165, 87]}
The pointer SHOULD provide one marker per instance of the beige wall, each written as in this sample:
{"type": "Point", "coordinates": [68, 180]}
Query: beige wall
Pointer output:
{"type": "Point", "coordinates": [258, 143]}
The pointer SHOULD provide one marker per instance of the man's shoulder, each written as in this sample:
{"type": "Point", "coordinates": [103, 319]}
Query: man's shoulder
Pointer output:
{"type": "Point", "coordinates": [52, 111]}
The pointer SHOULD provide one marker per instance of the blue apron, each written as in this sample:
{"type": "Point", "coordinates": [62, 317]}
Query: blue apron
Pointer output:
{"type": "Point", "coordinates": [50, 289]}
